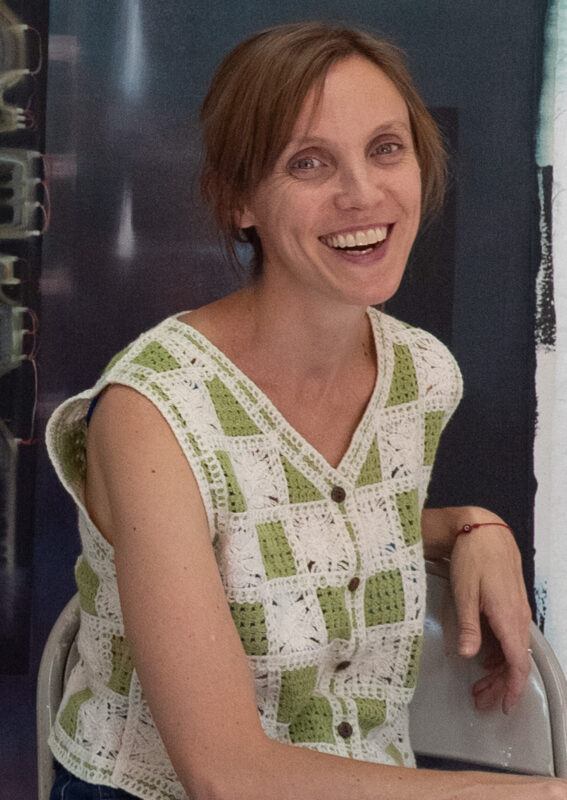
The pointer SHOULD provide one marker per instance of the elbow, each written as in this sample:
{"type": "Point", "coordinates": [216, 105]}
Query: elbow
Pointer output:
{"type": "Point", "coordinates": [242, 776]}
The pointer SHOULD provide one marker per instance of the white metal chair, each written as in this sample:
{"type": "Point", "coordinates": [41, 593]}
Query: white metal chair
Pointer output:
{"type": "Point", "coordinates": [58, 659]}
{"type": "Point", "coordinates": [443, 723]}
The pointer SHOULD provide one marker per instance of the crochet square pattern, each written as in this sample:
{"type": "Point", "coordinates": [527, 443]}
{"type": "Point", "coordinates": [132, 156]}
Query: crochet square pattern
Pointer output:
{"type": "Point", "coordinates": [322, 567]}
{"type": "Point", "coordinates": [384, 600]}
{"type": "Point", "coordinates": [251, 626]}
{"type": "Point", "coordinates": [297, 687]}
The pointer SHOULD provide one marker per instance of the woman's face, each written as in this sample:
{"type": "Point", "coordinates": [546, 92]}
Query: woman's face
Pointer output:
{"type": "Point", "coordinates": [348, 177]}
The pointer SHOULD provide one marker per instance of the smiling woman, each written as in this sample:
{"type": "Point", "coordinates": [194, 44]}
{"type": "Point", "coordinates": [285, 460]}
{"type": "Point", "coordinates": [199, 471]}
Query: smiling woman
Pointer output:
{"type": "Point", "coordinates": [251, 485]}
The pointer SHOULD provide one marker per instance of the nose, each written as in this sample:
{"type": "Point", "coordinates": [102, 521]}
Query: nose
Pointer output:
{"type": "Point", "coordinates": [358, 186]}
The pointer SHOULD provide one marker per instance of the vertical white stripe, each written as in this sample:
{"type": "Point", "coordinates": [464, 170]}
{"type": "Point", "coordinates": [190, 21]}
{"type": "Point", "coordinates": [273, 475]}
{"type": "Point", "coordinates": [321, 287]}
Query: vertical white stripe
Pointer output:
{"type": "Point", "coordinates": [551, 382]}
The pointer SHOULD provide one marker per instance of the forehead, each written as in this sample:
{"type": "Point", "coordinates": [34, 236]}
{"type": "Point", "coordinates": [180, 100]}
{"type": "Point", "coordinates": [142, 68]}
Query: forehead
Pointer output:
{"type": "Point", "coordinates": [355, 97]}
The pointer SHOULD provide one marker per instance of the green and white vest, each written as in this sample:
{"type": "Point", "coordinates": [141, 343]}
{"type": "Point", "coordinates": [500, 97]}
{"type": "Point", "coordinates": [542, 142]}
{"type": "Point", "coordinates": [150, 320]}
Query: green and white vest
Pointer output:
{"type": "Point", "coordinates": [322, 567]}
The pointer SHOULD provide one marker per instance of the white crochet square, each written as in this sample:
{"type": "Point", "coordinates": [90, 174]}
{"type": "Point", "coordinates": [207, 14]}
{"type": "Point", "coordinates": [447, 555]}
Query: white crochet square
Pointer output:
{"type": "Point", "coordinates": [321, 541]}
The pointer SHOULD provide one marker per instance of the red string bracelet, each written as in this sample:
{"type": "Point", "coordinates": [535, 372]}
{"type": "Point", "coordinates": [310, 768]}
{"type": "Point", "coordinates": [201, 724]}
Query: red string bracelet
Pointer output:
{"type": "Point", "coordinates": [471, 526]}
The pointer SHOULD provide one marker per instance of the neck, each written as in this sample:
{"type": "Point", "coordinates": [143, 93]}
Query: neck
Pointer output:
{"type": "Point", "coordinates": [304, 335]}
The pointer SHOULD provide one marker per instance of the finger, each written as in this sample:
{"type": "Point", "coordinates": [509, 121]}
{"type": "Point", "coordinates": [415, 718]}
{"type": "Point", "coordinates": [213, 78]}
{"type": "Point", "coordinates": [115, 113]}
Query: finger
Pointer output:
{"type": "Point", "coordinates": [516, 681]}
{"type": "Point", "coordinates": [513, 638]}
{"type": "Point", "coordinates": [468, 619]}
{"type": "Point", "coordinates": [517, 670]}
{"type": "Point", "coordinates": [488, 680]}
{"type": "Point", "coordinates": [491, 695]}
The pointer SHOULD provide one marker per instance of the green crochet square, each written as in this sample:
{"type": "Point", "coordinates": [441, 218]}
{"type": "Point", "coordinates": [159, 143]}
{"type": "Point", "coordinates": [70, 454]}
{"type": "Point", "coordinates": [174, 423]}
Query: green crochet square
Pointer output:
{"type": "Point", "coordinates": [371, 471]}
{"type": "Point", "coordinates": [403, 388]}
{"type": "Point", "coordinates": [337, 619]}
{"type": "Point", "coordinates": [87, 584]}
{"type": "Point", "coordinates": [297, 686]}
{"type": "Point", "coordinates": [155, 356]}
{"type": "Point", "coordinates": [236, 501]}
{"type": "Point", "coordinates": [432, 433]}
{"type": "Point", "coordinates": [371, 713]}
{"type": "Point", "coordinates": [300, 489]}
{"type": "Point", "coordinates": [413, 662]}
{"type": "Point", "coordinates": [276, 552]}
{"type": "Point", "coordinates": [122, 666]}
{"type": "Point", "coordinates": [407, 504]}
{"type": "Point", "coordinates": [250, 622]}
{"type": "Point", "coordinates": [314, 723]}
{"type": "Point", "coordinates": [231, 414]}
{"type": "Point", "coordinates": [384, 600]}
{"type": "Point", "coordinates": [68, 717]}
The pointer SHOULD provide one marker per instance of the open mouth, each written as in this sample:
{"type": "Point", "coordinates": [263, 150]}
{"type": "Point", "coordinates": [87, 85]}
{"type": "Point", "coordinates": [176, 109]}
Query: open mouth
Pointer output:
{"type": "Point", "coordinates": [359, 242]}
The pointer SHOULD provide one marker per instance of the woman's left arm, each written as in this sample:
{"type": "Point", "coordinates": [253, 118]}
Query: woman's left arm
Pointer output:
{"type": "Point", "coordinates": [486, 578]}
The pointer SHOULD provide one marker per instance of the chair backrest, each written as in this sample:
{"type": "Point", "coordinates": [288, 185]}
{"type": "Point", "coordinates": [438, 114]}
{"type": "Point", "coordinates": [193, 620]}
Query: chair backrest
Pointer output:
{"type": "Point", "coordinates": [443, 721]}
{"type": "Point", "coordinates": [59, 657]}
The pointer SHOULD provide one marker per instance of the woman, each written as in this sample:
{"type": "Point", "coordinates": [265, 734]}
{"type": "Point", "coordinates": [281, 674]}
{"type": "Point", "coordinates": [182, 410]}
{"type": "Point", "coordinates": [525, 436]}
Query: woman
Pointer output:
{"type": "Point", "coordinates": [273, 450]}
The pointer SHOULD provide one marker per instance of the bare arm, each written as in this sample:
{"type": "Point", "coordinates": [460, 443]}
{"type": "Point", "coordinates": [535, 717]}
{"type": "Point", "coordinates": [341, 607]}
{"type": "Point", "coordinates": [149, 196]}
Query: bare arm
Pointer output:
{"type": "Point", "coordinates": [187, 652]}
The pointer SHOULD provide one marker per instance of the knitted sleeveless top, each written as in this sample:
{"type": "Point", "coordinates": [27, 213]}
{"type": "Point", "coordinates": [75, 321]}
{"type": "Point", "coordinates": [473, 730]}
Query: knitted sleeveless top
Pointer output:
{"type": "Point", "coordinates": [322, 567]}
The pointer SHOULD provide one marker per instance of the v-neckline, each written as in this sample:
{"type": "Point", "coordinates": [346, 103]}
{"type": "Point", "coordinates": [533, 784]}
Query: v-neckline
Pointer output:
{"type": "Point", "coordinates": [343, 470]}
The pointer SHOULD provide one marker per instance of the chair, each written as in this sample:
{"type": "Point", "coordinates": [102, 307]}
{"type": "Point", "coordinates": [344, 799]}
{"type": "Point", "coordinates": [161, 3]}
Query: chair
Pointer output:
{"type": "Point", "coordinates": [443, 723]}
{"type": "Point", "coordinates": [58, 659]}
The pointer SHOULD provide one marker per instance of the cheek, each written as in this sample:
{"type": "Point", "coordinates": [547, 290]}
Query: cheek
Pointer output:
{"type": "Point", "coordinates": [285, 217]}
{"type": "Point", "coordinates": [414, 188]}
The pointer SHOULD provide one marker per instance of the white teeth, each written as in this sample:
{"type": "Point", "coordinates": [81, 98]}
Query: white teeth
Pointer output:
{"type": "Point", "coordinates": [358, 239]}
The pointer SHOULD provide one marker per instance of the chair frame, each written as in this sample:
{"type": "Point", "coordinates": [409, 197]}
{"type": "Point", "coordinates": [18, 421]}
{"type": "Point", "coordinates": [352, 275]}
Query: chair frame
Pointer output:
{"type": "Point", "coordinates": [58, 658]}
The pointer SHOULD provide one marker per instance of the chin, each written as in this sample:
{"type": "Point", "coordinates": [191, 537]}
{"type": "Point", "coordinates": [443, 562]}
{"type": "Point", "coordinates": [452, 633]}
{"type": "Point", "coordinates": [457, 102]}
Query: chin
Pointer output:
{"type": "Point", "coordinates": [373, 294]}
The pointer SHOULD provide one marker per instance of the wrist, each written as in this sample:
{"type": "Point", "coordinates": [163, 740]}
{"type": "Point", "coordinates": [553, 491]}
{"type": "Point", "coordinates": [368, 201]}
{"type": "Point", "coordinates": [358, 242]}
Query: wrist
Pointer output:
{"type": "Point", "coordinates": [443, 526]}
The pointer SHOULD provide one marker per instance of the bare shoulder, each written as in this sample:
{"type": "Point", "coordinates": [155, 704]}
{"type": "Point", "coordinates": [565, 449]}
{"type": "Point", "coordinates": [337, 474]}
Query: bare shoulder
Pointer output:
{"type": "Point", "coordinates": [222, 321]}
{"type": "Point", "coordinates": [133, 455]}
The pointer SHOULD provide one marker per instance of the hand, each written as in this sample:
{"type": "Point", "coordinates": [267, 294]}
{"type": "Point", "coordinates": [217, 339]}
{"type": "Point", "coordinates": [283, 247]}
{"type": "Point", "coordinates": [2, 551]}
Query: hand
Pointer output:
{"type": "Point", "coordinates": [486, 577]}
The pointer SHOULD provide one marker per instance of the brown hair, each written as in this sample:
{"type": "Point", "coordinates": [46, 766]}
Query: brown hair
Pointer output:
{"type": "Point", "coordinates": [256, 96]}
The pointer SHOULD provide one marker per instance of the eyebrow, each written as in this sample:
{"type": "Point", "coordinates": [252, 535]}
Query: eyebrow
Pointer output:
{"type": "Point", "coordinates": [313, 140]}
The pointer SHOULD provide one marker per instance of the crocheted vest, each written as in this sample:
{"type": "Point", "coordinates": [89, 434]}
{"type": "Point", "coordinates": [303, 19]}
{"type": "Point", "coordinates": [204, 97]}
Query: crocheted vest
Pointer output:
{"type": "Point", "coordinates": [322, 567]}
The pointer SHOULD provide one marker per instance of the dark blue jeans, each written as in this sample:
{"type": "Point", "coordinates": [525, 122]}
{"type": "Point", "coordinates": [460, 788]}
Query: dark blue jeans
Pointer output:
{"type": "Point", "coordinates": [67, 787]}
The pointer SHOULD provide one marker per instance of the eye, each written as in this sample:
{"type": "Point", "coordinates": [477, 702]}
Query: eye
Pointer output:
{"type": "Point", "coordinates": [388, 149]}
{"type": "Point", "coordinates": [307, 162]}
{"type": "Point", "coordinates": [306, 166]}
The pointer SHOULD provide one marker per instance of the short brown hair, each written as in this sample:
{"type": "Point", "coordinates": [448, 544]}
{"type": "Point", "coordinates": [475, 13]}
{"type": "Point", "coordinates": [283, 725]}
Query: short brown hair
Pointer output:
{"type": "Point", "coordinates": [256, 96]}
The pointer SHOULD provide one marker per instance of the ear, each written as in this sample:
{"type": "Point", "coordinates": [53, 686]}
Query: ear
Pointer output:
{"type": "Point", "coordinates": [244, 217]}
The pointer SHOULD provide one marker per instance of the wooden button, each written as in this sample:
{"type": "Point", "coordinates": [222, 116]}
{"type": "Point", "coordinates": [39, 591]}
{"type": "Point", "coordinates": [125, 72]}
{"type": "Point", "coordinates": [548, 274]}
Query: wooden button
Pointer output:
{"type": "Point", "coordinates": [353, 584]}
{"type": "Point", "coordinates": [345, 730]}
{"type": "Point", "coordinates": [342, 665]}
{"type": "Point", "coordinates": [338, 494]}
